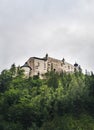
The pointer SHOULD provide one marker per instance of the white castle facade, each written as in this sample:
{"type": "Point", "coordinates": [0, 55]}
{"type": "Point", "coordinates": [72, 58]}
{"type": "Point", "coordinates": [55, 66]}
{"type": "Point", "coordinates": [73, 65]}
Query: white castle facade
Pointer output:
{"type": "Point", "coordinates": [40, 66]}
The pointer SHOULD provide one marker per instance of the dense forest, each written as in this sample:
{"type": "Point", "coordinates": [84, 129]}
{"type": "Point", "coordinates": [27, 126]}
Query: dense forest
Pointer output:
{"type": "Point", "coordinates": [58, 102]}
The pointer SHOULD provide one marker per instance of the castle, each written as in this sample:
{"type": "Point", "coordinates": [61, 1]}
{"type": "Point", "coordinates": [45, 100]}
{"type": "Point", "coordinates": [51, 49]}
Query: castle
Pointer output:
{"type": "Point", "coordinates": [40, 66]}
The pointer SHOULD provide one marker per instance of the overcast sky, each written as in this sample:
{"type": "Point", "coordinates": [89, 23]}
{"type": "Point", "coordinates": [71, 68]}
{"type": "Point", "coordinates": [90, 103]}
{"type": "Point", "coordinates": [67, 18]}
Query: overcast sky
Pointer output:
{"type": "Point", "coordinates": [61, 28]}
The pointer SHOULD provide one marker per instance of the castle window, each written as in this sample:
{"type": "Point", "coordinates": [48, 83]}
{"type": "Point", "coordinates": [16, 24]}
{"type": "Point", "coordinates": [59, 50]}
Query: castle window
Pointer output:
{"type": "Point", "coordinates": [51, 66]}
{"type": "Point", "coordinates": [62, 64]}
{"type": "Point", "coordinates": [54, 70]}
{"type": "Point", "coordinates": [36, 67]}
{"type": "Point", "coordinates": [68, 67]}
{"type": "Point", "coordinates": [48, 64]}
{"type": "Point", "coordinates": [44, 65]}
{"type": "Point", "coordinates": [38, 73]}
{"type": "Point", "coordinates": [38, 64]}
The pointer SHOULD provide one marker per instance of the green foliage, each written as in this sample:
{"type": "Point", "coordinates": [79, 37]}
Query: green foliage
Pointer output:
{"type": "Point", "coordinates": [10, 126]}
{"type": "Point", "coordinates": [52, 79]}
{"type": "Point", "coordinates": [13, 70]}
{"type": "Point", "coordinates": [60, 101]}
{"type": "Point", "coordinates": [5, 79]}
{"type": "Point", "coordinates": [69, 122]}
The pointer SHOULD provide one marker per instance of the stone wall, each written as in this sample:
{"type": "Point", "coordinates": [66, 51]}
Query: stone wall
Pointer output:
{"type": "Point", "coordinates": [40, 66]}
{"type": "Point", "coordinates": [59, 65]}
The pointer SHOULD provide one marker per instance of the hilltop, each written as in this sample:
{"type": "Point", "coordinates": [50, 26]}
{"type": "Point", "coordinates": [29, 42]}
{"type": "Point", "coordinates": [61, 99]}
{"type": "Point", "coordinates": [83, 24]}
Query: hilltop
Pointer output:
{"type": "Point", "coordinates": [62, 101]}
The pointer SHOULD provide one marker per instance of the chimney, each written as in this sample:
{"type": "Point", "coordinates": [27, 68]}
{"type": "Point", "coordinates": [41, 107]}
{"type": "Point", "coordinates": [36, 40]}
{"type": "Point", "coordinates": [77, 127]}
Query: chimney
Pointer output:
{"type": "Point", "coordinates": [46, 56]}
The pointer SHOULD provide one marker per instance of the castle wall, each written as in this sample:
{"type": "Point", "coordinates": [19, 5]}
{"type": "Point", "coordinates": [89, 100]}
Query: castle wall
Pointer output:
{"type": "Point", "coordinates": [59, 66]}
{"type": "Point", "coordinates": [40, 66]}
{"type": "Point", "coordinates": [26, 71]}
{"type": "Point", "coordinates": [30, 63]}
{"type": "Point", "coordinates": [68, 67]}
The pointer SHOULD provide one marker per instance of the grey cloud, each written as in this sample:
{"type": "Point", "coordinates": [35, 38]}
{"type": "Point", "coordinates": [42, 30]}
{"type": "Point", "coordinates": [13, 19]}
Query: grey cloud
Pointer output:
{"type": "Point", "coordinates": [35, 27]}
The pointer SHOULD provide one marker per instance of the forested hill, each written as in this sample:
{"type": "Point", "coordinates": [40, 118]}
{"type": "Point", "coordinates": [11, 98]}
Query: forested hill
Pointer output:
{"type": "Point", "coordinates": [59, 102]}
